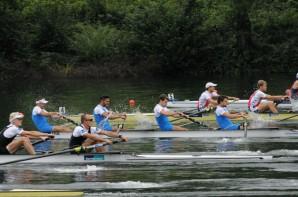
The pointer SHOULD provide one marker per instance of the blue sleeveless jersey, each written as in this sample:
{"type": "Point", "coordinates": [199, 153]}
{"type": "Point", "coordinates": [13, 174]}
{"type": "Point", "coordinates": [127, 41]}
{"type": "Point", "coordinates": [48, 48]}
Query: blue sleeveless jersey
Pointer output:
{"type": "Point", "coordinates": [164, 123]}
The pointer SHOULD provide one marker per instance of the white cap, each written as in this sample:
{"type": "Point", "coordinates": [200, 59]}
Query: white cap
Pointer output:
{"type": "Point", "coordinates": [210, 84]}
{"type": "Point", "coordinates": [43, 101]}
{"type": "Point", "coordinates": [15, 115]}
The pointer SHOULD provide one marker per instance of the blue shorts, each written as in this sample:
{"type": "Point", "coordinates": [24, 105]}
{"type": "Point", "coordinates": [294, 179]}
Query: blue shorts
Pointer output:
{"type": "Point", "coordinates": [46, 129]}
{"type": "Point", "coordinates": [232, 127]}
{"type": "Point", "coordinates": [166, 128]}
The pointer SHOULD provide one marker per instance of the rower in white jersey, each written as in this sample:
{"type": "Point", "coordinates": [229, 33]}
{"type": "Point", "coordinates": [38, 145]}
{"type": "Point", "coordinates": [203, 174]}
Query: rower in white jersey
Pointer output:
{"type": "Point", "coordinates": [85, 135]}
{"type": "Point", "coordinates": [259, 101]}
{"type": "Point", "coordinates": [102, 114]}
{"type": "Point", "coordinates": [161, 113]}
{"type": "Point", "coordinates": [208, 98]}
{"type": "Point", "coordinates": [8, 143]}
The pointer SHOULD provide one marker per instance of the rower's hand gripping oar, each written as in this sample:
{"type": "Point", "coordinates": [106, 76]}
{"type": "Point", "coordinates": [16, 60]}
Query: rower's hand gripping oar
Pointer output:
{"type": "Point", "coordinates": [76, 149]}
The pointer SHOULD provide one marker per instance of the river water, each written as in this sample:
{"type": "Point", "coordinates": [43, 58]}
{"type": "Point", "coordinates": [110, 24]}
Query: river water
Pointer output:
{"type": "Point", "coordinates": [202, 178]}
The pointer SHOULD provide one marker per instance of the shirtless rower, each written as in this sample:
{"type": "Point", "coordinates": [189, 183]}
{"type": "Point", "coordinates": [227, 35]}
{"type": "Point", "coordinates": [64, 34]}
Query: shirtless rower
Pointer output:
{"type": "Point", "coordinates": [85, 135]}
{"type": "Point", "coordinates": [255, 103]}
{"type": "Point", "coordinates": [161, 113]}
{"type": "Point", "coordinates": [102, 115]}
{"type": "Point", "coordinates": [8, 143]}
{"type": "Point", "coordinates": [223, 116]}
{"type": "Point", "coordinates": [208, 98]}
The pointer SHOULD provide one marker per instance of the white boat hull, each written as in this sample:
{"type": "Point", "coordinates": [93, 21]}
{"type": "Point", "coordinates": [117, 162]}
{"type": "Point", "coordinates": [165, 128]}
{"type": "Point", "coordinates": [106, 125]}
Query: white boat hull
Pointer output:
{"type": "Point", "coordinates": [267, 133]}
{"type": "Point", "coordinates": [125, 157]}
{"type": "Point", "coordinates": [241, 105]}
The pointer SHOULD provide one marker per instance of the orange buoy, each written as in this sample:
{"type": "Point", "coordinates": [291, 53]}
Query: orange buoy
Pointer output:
{"type": "Point", "coordinates": [132, 102]}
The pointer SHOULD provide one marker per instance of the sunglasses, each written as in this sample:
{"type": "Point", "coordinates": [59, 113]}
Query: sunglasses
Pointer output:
{"type": "Point", "coordinates": [89, 120]}
{"type": "Point", "coordinates": [19, 118]}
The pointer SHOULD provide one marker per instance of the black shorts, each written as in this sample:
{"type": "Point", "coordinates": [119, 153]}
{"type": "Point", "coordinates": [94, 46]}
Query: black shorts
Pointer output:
{"type": "Point", "coordinates": [4, 151]}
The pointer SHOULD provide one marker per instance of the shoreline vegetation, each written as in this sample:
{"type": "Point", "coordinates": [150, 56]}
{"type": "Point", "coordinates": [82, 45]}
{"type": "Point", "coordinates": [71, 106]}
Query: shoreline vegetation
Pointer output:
{"type": "Point", "coordinates": [129, 38]}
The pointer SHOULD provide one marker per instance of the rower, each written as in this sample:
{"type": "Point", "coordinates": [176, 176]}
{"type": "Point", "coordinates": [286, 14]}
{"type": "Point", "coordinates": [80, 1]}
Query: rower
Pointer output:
{"type": "Point", "coordinates": [208, 98]}
{"type": "Point", "coordinates": [256, 101]}
{"type": "Point", "coordinates": [85, 135]}
{"type": "Point", "coordinates": [293, 91]}
{"type": "Point", "coordinates": [223, 116]}
{"type": "Point", "coordinates": [8, 143]}
{"type": "Point", "coordinates": [102, 115]}
{"type": "Point", "coordinates": [39, 118]}
{"type": "Point", "coordinates": [161, 113]}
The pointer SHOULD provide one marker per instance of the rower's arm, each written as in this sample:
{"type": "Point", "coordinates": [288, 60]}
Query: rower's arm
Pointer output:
{"type": "Point", "coordinates": [114, 116]}
{"type": "Point", "coordinates": [233, 98]}
{"type": "Point", "coordinates": [169, 113]}
{"type": "Point", "coordinates": [95, 137]}
{"type": "Point", "coordinates": [45, 113]}
{"type": "Point", "coordinates": [232, 116]}
{"type": "Point", "coordinates": [295, 85]}
{"type": "Point", "coordinates": [35, 134]}
{"type": "Point", "coordinates": [112, 134]}
{"type": "Point", "coordinates": [213, 101]}
{"type": "Point", "coordinates": [273, 98]}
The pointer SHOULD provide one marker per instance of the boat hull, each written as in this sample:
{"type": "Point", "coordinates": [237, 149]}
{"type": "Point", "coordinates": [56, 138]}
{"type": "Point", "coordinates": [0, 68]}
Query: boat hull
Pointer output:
{"type": "Point", "coordinates": [266, 133]}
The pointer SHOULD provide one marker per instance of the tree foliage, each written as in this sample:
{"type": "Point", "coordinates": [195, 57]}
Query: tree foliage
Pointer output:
{"type": "Point", "coordinates": [160, 36]}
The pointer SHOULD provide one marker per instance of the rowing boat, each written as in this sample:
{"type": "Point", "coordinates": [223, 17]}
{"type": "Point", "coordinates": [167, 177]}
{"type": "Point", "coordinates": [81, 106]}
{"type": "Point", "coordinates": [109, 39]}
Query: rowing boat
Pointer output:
{"type": "Point", "coordinates": [241, 105]}
{"type": "Point", "coordinates": [145, 120]}
{"type": "Point", "coordinates": [38, 193]}
{"type": "Point", "coordinates": [258, 133]}
{"type": "Point", "coordinates": [119, 157]}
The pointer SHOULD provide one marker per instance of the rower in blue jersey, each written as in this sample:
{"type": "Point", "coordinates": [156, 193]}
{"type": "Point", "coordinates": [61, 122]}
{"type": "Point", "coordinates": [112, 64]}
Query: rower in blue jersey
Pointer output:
{"type": "Point", "coordinates": [40, 120]}
{"type": "Point", "coordinates": [102, 115]}
{"type": "Point", "coordinates": [161, 113]}
{"type": "Point", "coordinates": [223, 116]}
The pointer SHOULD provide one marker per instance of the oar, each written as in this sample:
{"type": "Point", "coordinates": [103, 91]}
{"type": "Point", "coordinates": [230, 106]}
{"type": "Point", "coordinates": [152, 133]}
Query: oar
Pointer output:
{"type": "Point", "coordinates": [193, 120]}
{"type": "Point", "coordinates": [70, 120]}
{"type": "Point", "coordinates": [245, 127]}
{"type": "Point", "coordinates": [77, 150]}
{"type": "Point", "coordinates": [202, 111]}
{"type": "Point", "coordinates": [288, 118]}
{"type": "Point", "coordinates": [120, 126]}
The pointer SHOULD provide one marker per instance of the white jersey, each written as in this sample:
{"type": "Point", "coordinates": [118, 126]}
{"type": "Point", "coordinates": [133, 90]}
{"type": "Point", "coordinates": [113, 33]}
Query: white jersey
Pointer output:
{"type": "Point", "coordinates": [37, 110]}
{"type": "Point", "coordinates": [100, 110]}
{"type": "Point", "coordinates": [221, 110]}
{"type": "Point", "coordinates": [81, 131]}
{"type": "Point", "coordinates": [255, 99]}
{"type": "Point", "coordinates": [12, 131]}
{"type": "Point", "coordinates": [157, 110]}
{"type": "Point", "coordinates": [204, 99]}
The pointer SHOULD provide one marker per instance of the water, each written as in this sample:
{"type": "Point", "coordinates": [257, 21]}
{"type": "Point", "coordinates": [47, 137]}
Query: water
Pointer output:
{"type": "Point", "coordinates": [274, 178]}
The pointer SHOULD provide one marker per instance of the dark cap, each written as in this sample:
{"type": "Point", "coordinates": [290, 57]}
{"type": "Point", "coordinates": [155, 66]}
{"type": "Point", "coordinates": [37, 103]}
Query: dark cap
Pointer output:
{"type": "Point", "coordinates": [163, 97]}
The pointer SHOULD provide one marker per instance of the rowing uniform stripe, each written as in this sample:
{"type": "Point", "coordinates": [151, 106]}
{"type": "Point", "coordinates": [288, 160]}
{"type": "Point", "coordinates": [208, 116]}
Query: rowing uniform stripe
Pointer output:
{"type": "Point", "coordinates": [255, 100]}
{"type": "Point", "coordinates": [205, 99]}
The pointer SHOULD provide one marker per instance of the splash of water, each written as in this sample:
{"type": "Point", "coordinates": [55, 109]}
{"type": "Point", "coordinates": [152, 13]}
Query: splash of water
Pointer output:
{"type": "Point", "coordinates": [142, 121]}
{"type": "Point", "coordinates": [259, 121]}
